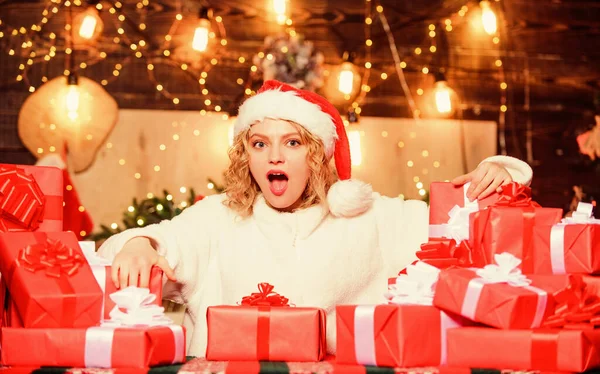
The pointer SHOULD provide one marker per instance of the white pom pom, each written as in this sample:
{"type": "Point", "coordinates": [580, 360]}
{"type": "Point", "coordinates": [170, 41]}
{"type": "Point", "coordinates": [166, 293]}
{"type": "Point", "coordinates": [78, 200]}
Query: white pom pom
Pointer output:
{"type": "Point", "coordinates": [349, 198]}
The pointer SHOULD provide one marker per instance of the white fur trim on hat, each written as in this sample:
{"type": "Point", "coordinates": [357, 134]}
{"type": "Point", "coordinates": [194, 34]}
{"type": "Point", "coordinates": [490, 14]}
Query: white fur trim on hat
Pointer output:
{"type": "Point", "coordinates": [289, 106]}
{"type": "Point", "coordinates": [349, 198]}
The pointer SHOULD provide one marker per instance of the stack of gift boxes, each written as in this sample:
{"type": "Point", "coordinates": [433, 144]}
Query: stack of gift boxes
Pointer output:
{"type": "Point", "coordinates": [59, 304]}
{"type": "Point", "coordinates": [502, 283]}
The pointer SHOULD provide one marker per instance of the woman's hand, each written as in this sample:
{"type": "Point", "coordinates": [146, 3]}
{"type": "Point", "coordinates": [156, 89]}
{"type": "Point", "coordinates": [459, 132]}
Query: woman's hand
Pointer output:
{"type": "Point", "coordinates": [132, 265]}
{"type": "Point", "coordinates": [485, 180]}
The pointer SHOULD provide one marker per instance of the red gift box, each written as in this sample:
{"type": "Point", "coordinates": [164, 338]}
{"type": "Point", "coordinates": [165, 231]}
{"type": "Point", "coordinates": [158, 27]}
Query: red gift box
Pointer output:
{"type": "Point", "coordinates": [102, 347]}
{"type": "Point", "coordinates": [31, 198]}
{"type": "Point", "coordinates": [387, 335]}
{"type": "Point", "coordinates": [449, 210]}
{"type": "Point", "coordinates": [445, 195]}
{"type": "Point", "coordinates": [500, 305]}
{"type": "Point", "coordinates": [264, 328]}
{"type": "Point", "coordinates": [545, 350]}
{"type": "Point", "coordinates": [507, 226]}
{"type": "Point", "coordinates": [566, 249]}
{"type": "Point", "coordinates": [49, 281]}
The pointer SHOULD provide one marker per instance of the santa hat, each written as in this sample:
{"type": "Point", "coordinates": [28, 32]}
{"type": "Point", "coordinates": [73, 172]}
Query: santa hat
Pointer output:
{"type": "Point", "coordinates": [276, 100]}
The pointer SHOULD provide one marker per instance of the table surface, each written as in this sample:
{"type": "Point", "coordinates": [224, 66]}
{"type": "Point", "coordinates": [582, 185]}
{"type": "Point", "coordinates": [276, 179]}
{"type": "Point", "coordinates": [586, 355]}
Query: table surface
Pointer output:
{"type": "Point", "coordinates": [200, 365]}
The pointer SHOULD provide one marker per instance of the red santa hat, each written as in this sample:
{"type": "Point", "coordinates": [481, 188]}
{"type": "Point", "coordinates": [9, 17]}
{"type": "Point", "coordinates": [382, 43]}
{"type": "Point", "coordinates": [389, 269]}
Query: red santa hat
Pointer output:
{"type": "Point", "coordinates": [276, 100]}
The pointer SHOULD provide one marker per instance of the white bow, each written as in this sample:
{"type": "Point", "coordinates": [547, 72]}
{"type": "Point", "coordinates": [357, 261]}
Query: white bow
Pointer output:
{"type": "Point", "coordinates": [583, 215]}
{"type": "Point", "coordinates": [506, 271]}
{"type": "Point", "coordinates": [457, 227]}
{"type": "Point", "coordinates": [416, 287]}
{"type": "Point", "coordinates": [134, 308]}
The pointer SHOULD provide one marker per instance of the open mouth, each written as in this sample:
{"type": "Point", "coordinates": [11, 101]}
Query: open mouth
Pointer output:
{"type": "Point", "coordinates": [278, 182]}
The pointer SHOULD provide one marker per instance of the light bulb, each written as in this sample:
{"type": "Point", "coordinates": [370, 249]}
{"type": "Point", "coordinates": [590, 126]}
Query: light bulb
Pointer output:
{"type": "Point", "coordinates": [88, 26]}
{"type": "Point", "coordinates": [279, 6]}
{"type": "Point", "coordinates": [488, 18]}
{"type": "Point", "coordinates": [200, 41]}
{"type": "Point", "coordinates": [443, 97]}
{"type": "Point", "coordinates": [346, 79]}
{"type": "Point", "coordinates": [72, 101]}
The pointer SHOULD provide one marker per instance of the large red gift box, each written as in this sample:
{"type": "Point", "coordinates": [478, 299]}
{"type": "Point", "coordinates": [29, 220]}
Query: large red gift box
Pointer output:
{"type": "Point", "coordinates": [102, 347]}
{"type": "Point", "coordinates": [265, 328]}
{"type": "Point", "coordinates": [500, 305]}
{"type": "Point", "coordinates": [566, 249]}
{"type": "Point", "coordinates": [49, 281]}
{"type": "Point", "coordinates": [31, 198]}
{"type": "Point", "coordinates": [393, 335]}
{"type": "Point", "coordinates": [545, 350]}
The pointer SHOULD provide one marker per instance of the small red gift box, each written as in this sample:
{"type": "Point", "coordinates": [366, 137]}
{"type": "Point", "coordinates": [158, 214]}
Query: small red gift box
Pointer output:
{"type": "Point", "coordinates": [544, 350]}
{"type": "Point", "coordinates": [31, 198]}
{"type": "Point", "coordinates": [572, 246]}
{"type": "Point", "coordinates": [387, 335]}
{"type": "Point", "coordinates": [102, 272]}
{"type": "Point", "coordinates": [500, 305]}
{"type": "Point", "coordinates": [449, 210]}
{"type": "Point", "coordinates": [445, 195]}
{"type": "Point", "coordinates": [100, 347]}
{"type": "Point", "coordinates": [49, 281]}
{"type": "Point", "coordinates": [264, 328]}
{"type": "Point", "coordinates": [507, 226]}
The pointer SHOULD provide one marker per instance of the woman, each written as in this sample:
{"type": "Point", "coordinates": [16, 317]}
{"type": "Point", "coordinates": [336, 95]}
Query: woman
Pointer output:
{"type": "Point", "coordinates": [283, 220]}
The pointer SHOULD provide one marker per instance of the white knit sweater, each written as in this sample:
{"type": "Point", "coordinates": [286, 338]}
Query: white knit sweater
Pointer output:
{"type": "Point", "coordinates": [310, 256]}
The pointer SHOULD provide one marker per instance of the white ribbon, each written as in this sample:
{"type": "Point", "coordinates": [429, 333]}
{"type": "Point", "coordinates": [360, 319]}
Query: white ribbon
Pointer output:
{"type": "Point", "coordinates": [364, 334]}
{"type": "Point", "coordinates": [446, 323]}
{"type": "Point", "coordinates": [504, 271]}
{"type": "Point", "coordinates": [98, 265]}
{"type": "Point", "coordinates": [457, 227]}
{"type": "Point", "coordinates": [134, 307]}
{"type": "Point", "coordinates": [582, 216]}
{"type": "Point", "coordinates": [416, 287]}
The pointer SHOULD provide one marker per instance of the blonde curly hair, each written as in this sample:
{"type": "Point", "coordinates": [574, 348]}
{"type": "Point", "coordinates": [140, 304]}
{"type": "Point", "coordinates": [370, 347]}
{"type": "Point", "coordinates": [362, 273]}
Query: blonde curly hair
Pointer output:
{"type": "Point", "coordinates": [242, 189]}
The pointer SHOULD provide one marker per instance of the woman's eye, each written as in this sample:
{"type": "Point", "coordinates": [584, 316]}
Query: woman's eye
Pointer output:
{"type": "Point", "coordinates": [258, 144]}
{"type": "Point", "coordinates": [294, 143]}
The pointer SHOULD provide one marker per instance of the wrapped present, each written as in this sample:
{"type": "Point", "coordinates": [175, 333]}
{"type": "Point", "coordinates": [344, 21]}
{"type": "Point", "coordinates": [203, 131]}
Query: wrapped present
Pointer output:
{"type": "Point", "coordinates": [442, 254]}
{"type": "Point", "coordinates": [31, 198]}
{"type": "Point", "coordinates": [578, 306]}
{"type": "Point", "coordinates": [572, 246]}
{"type": "Point", "coordinates": [507, 226]}
{"type": "Point", "coordinates": [498, 295]}
{"type": "Point", "coordinates": [547, 350]}
{"type": "Point", "coordinates": [137, 336]}
{"type": "Point", "coordinates": [265, 328]}
{"type": "Point", "coordinates": [387, 335]}
{"type": "Point", "coordinates": [449, 210]}
{"type": "Point", "coordinates": [101, 269]}
{"type": "Point", "coordinates": [49, 281]}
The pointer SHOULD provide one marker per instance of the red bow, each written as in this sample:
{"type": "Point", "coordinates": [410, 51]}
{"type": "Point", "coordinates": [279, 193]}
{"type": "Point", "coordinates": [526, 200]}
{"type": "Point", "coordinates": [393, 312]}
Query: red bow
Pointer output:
{"type": "Point", "coordinates": [577, 306]}
{"type": "Point", "coordinates": [515, 195]}
{"type": "Point", "coordinates": [21, 201]}
{"type": "Point", "coordinates": [52, 256]}
{"type": "Point", "coordinates": [446, 249]}
{"type": "Point", "coordinates": [265, 297]}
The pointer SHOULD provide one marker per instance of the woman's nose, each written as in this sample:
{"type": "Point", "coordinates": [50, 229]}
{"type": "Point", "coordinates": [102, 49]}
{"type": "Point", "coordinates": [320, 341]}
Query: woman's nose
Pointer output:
{"type": "Point", "coordinates": [275, 155]}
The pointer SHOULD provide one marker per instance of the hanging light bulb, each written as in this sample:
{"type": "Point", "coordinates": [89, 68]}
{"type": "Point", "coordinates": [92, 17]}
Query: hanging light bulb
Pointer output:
{"type": "Point", "coordinates": [346, 78]}
{"type": "Point", "coordinates": [444, 96]}
{"type": "Point", "coordinates": [488, 17]}
{"type": "Point", "coordinates": [72, 97]}
{"type": "Point", "coordinates": [202, 32]}
{"type": "Point", "coordinates": [280, 9]}
{"type": "Point", "coordinates": [88, 24]}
